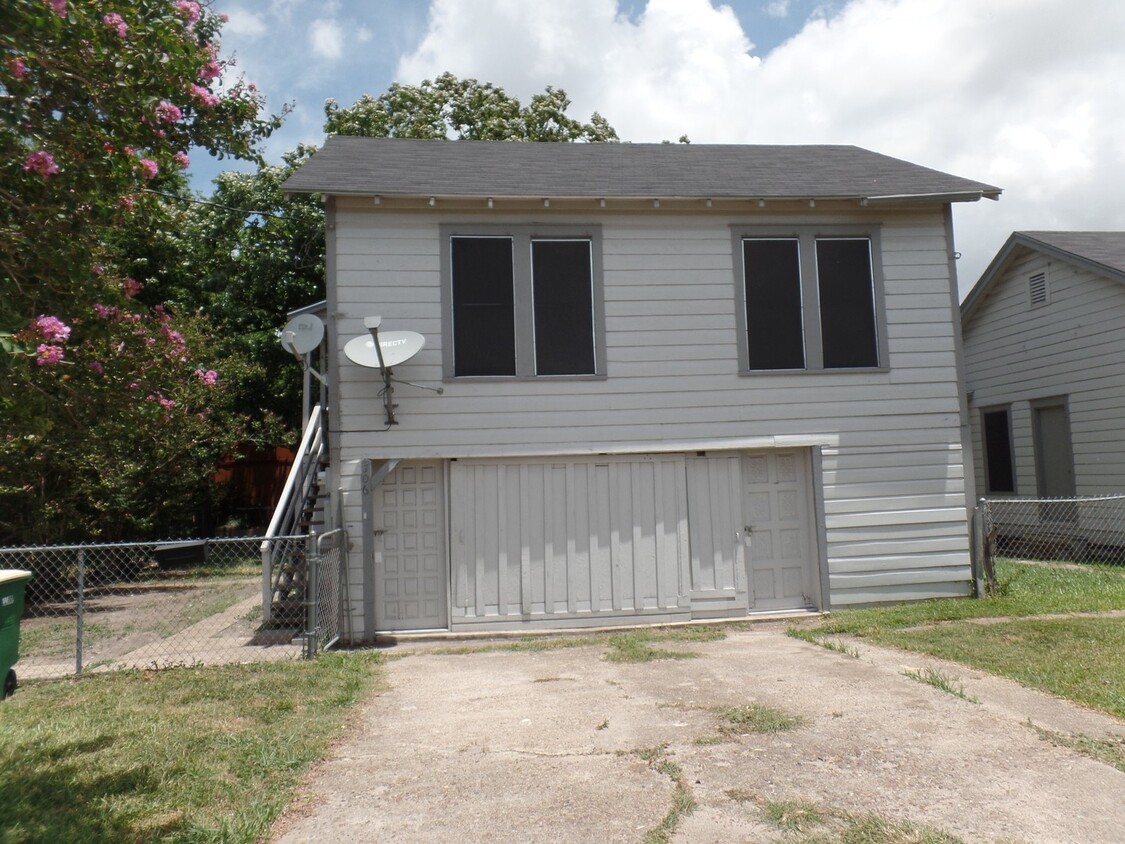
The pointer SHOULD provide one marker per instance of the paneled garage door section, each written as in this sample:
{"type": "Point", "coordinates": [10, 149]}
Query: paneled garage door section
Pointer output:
{"type": "Point", "coordinates": [570, 539]}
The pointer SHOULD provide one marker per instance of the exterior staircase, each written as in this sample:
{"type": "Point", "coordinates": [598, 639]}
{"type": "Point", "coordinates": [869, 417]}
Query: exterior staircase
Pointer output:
{"type": "Point", "coordinates": [301, 511]}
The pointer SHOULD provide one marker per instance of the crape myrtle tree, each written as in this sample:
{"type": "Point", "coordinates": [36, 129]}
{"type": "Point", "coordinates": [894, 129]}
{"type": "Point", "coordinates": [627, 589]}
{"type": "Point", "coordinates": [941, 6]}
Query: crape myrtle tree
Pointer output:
{"type": "Point", "coordinates": [247, 270]}
{"type": "Point", "coordinates": [115, 408]}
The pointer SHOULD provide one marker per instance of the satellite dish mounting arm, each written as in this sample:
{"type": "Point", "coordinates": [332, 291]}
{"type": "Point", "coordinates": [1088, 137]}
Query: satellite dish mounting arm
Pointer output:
{"type": "Point", "coordinates": [372, 324]}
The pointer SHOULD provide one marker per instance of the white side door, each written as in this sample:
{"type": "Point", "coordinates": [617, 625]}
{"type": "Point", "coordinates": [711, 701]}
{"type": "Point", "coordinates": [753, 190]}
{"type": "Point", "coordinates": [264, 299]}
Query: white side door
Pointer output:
{"type": "Point", "coordinates": [779, 536]}
{"type": "Point", "coordinates": [411, 569]}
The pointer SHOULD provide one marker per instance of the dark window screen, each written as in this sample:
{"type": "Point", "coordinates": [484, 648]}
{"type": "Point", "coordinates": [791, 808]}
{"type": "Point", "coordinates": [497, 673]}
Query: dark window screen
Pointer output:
{"type": "Point", "coordinates": [998, 452]}
{"type": "Point", "coordinates": [847, 303]}
{"type": "Point", "coordinates": [773, 304]}
{"type": "Point", "coordinates": [484, 334]}
{"type": "Point", "coordinates": [564, 310]}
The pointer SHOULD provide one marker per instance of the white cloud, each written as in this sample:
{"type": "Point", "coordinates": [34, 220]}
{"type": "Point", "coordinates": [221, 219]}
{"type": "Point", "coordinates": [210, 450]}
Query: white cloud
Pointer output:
{"type": "Point", "coordinates": [242, 22]}
{"type": "Point", "coordinates": [326, 38]}
{"type": "Point", "coordinates": [1019, 93]}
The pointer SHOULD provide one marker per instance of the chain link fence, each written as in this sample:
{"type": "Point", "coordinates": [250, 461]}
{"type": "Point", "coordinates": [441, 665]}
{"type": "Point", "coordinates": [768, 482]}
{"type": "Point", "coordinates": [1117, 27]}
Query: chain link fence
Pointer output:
{"type": "Point", "coordinates": [184, 602]}
{"type": "Point", "coordinates": [1068, 530]}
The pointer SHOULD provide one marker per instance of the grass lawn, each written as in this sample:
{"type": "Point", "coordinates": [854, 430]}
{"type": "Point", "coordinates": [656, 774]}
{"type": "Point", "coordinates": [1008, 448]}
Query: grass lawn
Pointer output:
{"type": "Point", "coordinates": [186, 755]}
{"type": "Point", "coordinates": [1080, 658]}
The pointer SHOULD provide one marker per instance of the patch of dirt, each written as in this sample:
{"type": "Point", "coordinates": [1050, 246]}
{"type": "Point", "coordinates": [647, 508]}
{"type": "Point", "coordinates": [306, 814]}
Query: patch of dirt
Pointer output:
{"type": "Point", "coordinates": [481, 747]}
{"type": "Point", "coordinates": [125, 618]}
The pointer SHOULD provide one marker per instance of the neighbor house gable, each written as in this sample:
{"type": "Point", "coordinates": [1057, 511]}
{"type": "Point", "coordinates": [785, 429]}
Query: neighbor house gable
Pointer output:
{"type": "Point", "coordinates": [1102, 253]}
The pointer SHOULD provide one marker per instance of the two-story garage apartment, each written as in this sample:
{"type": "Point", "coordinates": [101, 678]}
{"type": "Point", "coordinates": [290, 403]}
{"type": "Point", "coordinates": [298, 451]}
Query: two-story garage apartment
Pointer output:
{"type": "Point", "coordinates": [678, 381]}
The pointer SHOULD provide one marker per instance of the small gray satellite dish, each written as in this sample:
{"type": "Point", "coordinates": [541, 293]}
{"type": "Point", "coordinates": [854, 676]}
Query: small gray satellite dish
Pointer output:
{"type": "Point", "coordinates": [397, 347]}
{"type": "Point", "coordinates": [302, 334]}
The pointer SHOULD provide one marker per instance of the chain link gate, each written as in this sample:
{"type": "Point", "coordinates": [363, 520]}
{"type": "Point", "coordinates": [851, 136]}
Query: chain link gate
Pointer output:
{"type": "Point", "coordinates": [162, 604]}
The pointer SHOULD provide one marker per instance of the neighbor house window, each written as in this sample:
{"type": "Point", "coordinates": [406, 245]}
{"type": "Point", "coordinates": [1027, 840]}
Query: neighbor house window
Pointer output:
{"type": "Point", "coordinates": [522, 302]}
{"type": "Point", "coordinates": [997, 436]}
{"type": "Point", "coordinates": [810, 300]}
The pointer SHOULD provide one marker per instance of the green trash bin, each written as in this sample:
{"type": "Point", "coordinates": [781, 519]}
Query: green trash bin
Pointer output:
{"type": "Point", "coordinates": [12, 583]}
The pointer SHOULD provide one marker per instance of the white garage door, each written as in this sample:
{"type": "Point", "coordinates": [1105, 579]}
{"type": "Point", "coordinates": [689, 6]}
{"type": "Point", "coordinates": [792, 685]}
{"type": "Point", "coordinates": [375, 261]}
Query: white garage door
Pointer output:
{"type": "Point", "coordinates": [580, 540]}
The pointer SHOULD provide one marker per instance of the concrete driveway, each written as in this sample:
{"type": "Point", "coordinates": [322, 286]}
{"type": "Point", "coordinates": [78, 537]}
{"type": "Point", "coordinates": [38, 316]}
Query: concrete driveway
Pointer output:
{"type": "Point", "coordinates": [564, 746]}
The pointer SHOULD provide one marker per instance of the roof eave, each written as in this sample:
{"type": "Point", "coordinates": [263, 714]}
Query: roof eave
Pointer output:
{"type": "Point", "coordinates": [883, 199]}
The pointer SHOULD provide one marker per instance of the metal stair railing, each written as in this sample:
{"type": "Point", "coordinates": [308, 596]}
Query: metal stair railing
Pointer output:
{"type": "Point", "coordinates": [297, 497]}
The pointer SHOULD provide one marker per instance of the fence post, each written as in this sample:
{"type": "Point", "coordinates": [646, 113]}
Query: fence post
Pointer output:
{"type": "Point", "coordinates": [977, 555]}
{"type": "Point", "coordinates": [311, 586]}
{"type": "Point", "coordinates": [80, 601]}
{"type": "Point", "coordinates": [988, 548]}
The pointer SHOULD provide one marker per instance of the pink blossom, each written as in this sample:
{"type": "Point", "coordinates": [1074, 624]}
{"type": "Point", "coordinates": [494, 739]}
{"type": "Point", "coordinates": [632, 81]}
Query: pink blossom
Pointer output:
{"type": "Point", "coordinates": [42, 162]}
{"type": "Point", "coordinates": [167, 404]}
{"type": "Point", "coordinates": [203, 95]}
{"type": "Point", "coordinates": [134, 385]}
{"type": "Point", "coordinates": [96, 366]}
{"type": "Point", "coordinates": [210, 377]}
{"type": "Point", "coordinates": [48, 355]}
{"type": "Point", "coordinates": [99, 269]}
{"type": "Point", "coordinates": [127, 202]}
{"type": "Point", "coordinates": [131, 318]}
{"type": "Point", "coordinates": [224, 17]}
{"type": "Point", "coordinates": [188, 10]}
{"type": "Point", "coordinates": [52, 329]}
{"type": "Point", "coordinates": [59, 6]}
{"type": "Point", "coordinates": [149, 168]}
{"type": "Point", "coordinates": [18, 69]}
{"type": "Point", "coordinates": [168, 112]}
{"type": "Point", "coordinates": [131, 287]}
{"type": "Point", "coordinates": [210, 71]}
{"type": "Point", "coordinates": [117, 23]}
{"type": "Point", "coordinates": [104, 311]}
{"type": "Point", "coordinates": [182, 159]}
{"type": "Point", "coordinates": [173, 337]}
{"type": "Point", "coordinates": [129, 151]}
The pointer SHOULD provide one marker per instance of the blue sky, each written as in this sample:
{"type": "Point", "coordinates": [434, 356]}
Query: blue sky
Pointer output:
{"type": "Point", "coordinates": [1024, 94]}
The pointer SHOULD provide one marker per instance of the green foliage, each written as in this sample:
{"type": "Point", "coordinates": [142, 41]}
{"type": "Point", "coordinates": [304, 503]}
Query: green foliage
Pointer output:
{"type": "Point", "coordinates": [940, 680]}
{"type": "Point", "coordinates": [448, 107]}
{"type": "Point", "coordinates": [756, 718]}
{"type": "Point", "coordinates": [113, 419]}
{"type": "Point", "coordinates": [249, 255]}
{"type": "Point", "coordinates": [1026, 589]}
{"type": "Point", "coordinates": [246, 271]}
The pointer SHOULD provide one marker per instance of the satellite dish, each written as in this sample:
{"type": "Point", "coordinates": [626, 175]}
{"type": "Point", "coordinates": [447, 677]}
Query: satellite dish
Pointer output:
{"type": "Point", "coordinates": [397, 347]}
{"type": "Point", "coordinates": [302, 334]}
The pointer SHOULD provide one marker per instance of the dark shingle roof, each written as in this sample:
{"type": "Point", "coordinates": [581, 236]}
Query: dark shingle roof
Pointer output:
{"type": "Point", "coordinates": [394, 166]}
{"type": "Point", "coordinates": [1104, 248]}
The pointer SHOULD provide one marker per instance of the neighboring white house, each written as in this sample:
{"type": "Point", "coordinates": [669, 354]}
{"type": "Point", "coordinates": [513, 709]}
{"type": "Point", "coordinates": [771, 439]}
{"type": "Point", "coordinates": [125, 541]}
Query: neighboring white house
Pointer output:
{"type": "Point", "coordinates": [1044, 333]}
{"type": "Point", "coordinates": [680, 381]}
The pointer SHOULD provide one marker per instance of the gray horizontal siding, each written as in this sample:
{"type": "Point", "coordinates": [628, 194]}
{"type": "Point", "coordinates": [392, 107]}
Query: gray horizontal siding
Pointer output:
{"type": "Point", "coordinates": [1073, 346]}
{"type": "Point", "coordinates": [893, 484]}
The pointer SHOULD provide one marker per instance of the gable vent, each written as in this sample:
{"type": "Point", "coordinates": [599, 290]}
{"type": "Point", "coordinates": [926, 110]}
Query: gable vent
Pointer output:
{"type": "Point", "coordinates": [1037, 287]}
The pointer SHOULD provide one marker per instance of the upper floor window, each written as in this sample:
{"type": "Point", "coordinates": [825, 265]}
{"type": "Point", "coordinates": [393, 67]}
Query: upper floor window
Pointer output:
{"type": "Point", "coordinates": [522, 301]}
{"type": "Point", "coordinates": [809, 300]}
